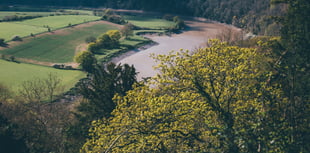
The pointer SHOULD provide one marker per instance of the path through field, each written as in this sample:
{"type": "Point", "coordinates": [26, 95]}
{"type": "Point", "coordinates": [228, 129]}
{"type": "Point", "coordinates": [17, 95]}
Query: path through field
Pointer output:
{"type": "Point", "coordinates": [196, 36]}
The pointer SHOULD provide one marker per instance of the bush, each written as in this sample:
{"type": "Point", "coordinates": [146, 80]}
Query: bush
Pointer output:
{"type": "Point", "coordinates": [86, 59]}
{"type": "Point", "coordinates": [12, 58]}
{"type": "Point", "coordinates": [2, 42]}
{"type": "Point", "coordinates": [17, 38]}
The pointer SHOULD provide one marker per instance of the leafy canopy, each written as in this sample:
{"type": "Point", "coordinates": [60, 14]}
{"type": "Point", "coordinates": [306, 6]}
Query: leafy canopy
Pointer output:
{"type": "Point", "coordinates": [207, 101]}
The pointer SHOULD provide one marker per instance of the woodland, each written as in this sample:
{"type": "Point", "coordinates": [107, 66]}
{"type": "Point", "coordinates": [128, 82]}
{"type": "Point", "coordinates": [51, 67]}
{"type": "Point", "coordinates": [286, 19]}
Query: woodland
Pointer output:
{"type": "Point", "coordinates": [242, 96]}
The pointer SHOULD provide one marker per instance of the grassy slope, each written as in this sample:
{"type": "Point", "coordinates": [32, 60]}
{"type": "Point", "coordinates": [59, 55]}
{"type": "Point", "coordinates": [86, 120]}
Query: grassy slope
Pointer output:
{"type": "Point", "coordinates": [25, 28]}
{"type": "Point", "coordinates": [13, 74]}
{"type": "Point", "coordinates": [57, 48]}
{"type": "Point", "coordinates": [149, 22]}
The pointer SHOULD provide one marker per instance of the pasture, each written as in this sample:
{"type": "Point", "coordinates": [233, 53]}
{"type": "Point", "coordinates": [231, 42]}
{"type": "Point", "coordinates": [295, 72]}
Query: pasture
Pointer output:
{"type": "Point", "coordinates": [59, 47]}
{"type": "Point", "coordinates": [39, 25]}
{"type": "Point", "coordinates": [3, 14]}
{"type": "Point", "coordinates": [149, 22]}
{"type": "Point", "coordinates": [13, 74]}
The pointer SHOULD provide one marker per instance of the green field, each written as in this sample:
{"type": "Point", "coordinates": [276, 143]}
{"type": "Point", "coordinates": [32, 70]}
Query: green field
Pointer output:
{"type": "Point", "coordinates": [11, 13]}
{"type": "Point", "coordinates": [14, 74]}
{"type": "Point", "coordinates": [56, 48]}
{"type": "Point", "coordinates": [3, 14]}
{"type": "Point", "coordinates": [56, 22]}
{"type": "Point", "coordinates": [10, 29]}
{"type": "Point", "coordinates": [38, 25]}
{"type": "Point", "coordinates": [149, 22]}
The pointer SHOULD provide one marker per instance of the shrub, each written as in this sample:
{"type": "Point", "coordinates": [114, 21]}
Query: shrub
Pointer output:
{"type": "Point", "coordinates": [2, 42]}
{"type": "Point", "coordinates": [12, 58]}
{"type": "Point", "coordinates": [17, 38]}
{"type": "Point", "coordinates": [86, 59]}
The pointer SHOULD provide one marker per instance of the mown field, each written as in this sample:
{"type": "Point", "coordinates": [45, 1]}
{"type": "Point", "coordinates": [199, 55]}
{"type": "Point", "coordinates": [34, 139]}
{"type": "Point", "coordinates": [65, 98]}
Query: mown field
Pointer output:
{"type": "Point", "coordinates": [57, 48]}
{"type": "Point", "coordinates": [149, 22]}
{"type": "Point", "coordinates": [39, 25]}
{"type": "Point", "coordinates": [13, 74]}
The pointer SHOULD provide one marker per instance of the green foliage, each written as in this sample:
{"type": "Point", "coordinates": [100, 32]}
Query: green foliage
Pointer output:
{"type": "Point", "coordinates": [86, 59]}
{"type": "Point", "coordinates": [127, 30]}
{"type": "Point", "coordinates": [294, 73]}
{"type": "Point", "coordinates": [212, 100]}
{"type": "Point", "coordinates": [114, 34]}
{"type": "Point", "coordinates": [108, 40]}
{"type": "Point", "coordinates": [98, 90]}
{"type": "Point", "coordinates": [2, 42]}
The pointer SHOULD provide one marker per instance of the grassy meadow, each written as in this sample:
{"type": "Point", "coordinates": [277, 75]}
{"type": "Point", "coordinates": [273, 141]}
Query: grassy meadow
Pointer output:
{"type": "Point", "coordinates": [149, 22]}
{"type": "Point", "coordinates": [57, 48]}
{"type": "Point", "coordinates": [39, 25]}
{"type": "Point", "coordinates": [13, 74]}
{"type": "Point", "coordinates": [3, 14]}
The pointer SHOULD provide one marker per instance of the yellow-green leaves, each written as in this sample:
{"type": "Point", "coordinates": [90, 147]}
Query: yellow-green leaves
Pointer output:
{"type": "Point", "coordinates": [202, 101]}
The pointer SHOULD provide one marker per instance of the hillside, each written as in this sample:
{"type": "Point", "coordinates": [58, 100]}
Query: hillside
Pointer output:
{"type": "Point", "coordinates": [253, 15]}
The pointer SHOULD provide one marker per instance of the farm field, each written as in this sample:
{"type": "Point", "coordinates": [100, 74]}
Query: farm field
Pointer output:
{"type": "Point", "coordinates": [59, 47]}
{"type": "Point", "coordinates": [39, 25]}
{"type": "Point", "coordinates": [149, 22]}
{"type": "Point", "coordinates": [14, 74]}
{"type": "Point", "coordinates": [3, 14]}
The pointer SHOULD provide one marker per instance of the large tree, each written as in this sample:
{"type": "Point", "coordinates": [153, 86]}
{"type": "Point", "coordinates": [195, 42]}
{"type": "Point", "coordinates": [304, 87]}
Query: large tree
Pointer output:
{"type": "Point", "coordinates": [98, 91]}
{"type": "Point", "coordinates": [212, 100]}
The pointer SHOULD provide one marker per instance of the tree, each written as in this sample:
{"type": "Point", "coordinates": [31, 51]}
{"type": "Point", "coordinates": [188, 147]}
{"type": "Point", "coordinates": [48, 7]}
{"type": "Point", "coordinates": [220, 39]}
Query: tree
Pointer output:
{"type": "Point", "coordinates": [127, 30]}
{"type": "Point", "coordinates": [86, 59]}
{"type": "Point", "coordinates": [101, 86]}
{"type": "Point", "coordinates": [93, 47]}
{"type": "Point", "coordinates": [98, 91]}
{"type": "Point", "coordinates": [212, 100]}
{"type": "Point", "coordinates": [114, 34]}
{"type": "Point", "coordinates": [41, 89]}
{"type": "Point", "coordinates": [294, 73]}
{"type": "Point", "coordinates": [105, 41]}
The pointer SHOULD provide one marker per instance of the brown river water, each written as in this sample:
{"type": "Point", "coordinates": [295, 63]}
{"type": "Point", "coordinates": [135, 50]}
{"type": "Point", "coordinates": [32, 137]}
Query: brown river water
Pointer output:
{"type": "Point", "coordinates": [196, 36]}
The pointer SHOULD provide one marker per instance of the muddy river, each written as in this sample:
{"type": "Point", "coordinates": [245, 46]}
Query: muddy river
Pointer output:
{"type": "Point", "coordinates": [196, 36]}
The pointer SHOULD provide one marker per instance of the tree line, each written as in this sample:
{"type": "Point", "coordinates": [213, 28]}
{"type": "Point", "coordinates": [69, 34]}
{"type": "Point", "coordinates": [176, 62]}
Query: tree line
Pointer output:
{"type": "Point", "coordinates": [254, 15]}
